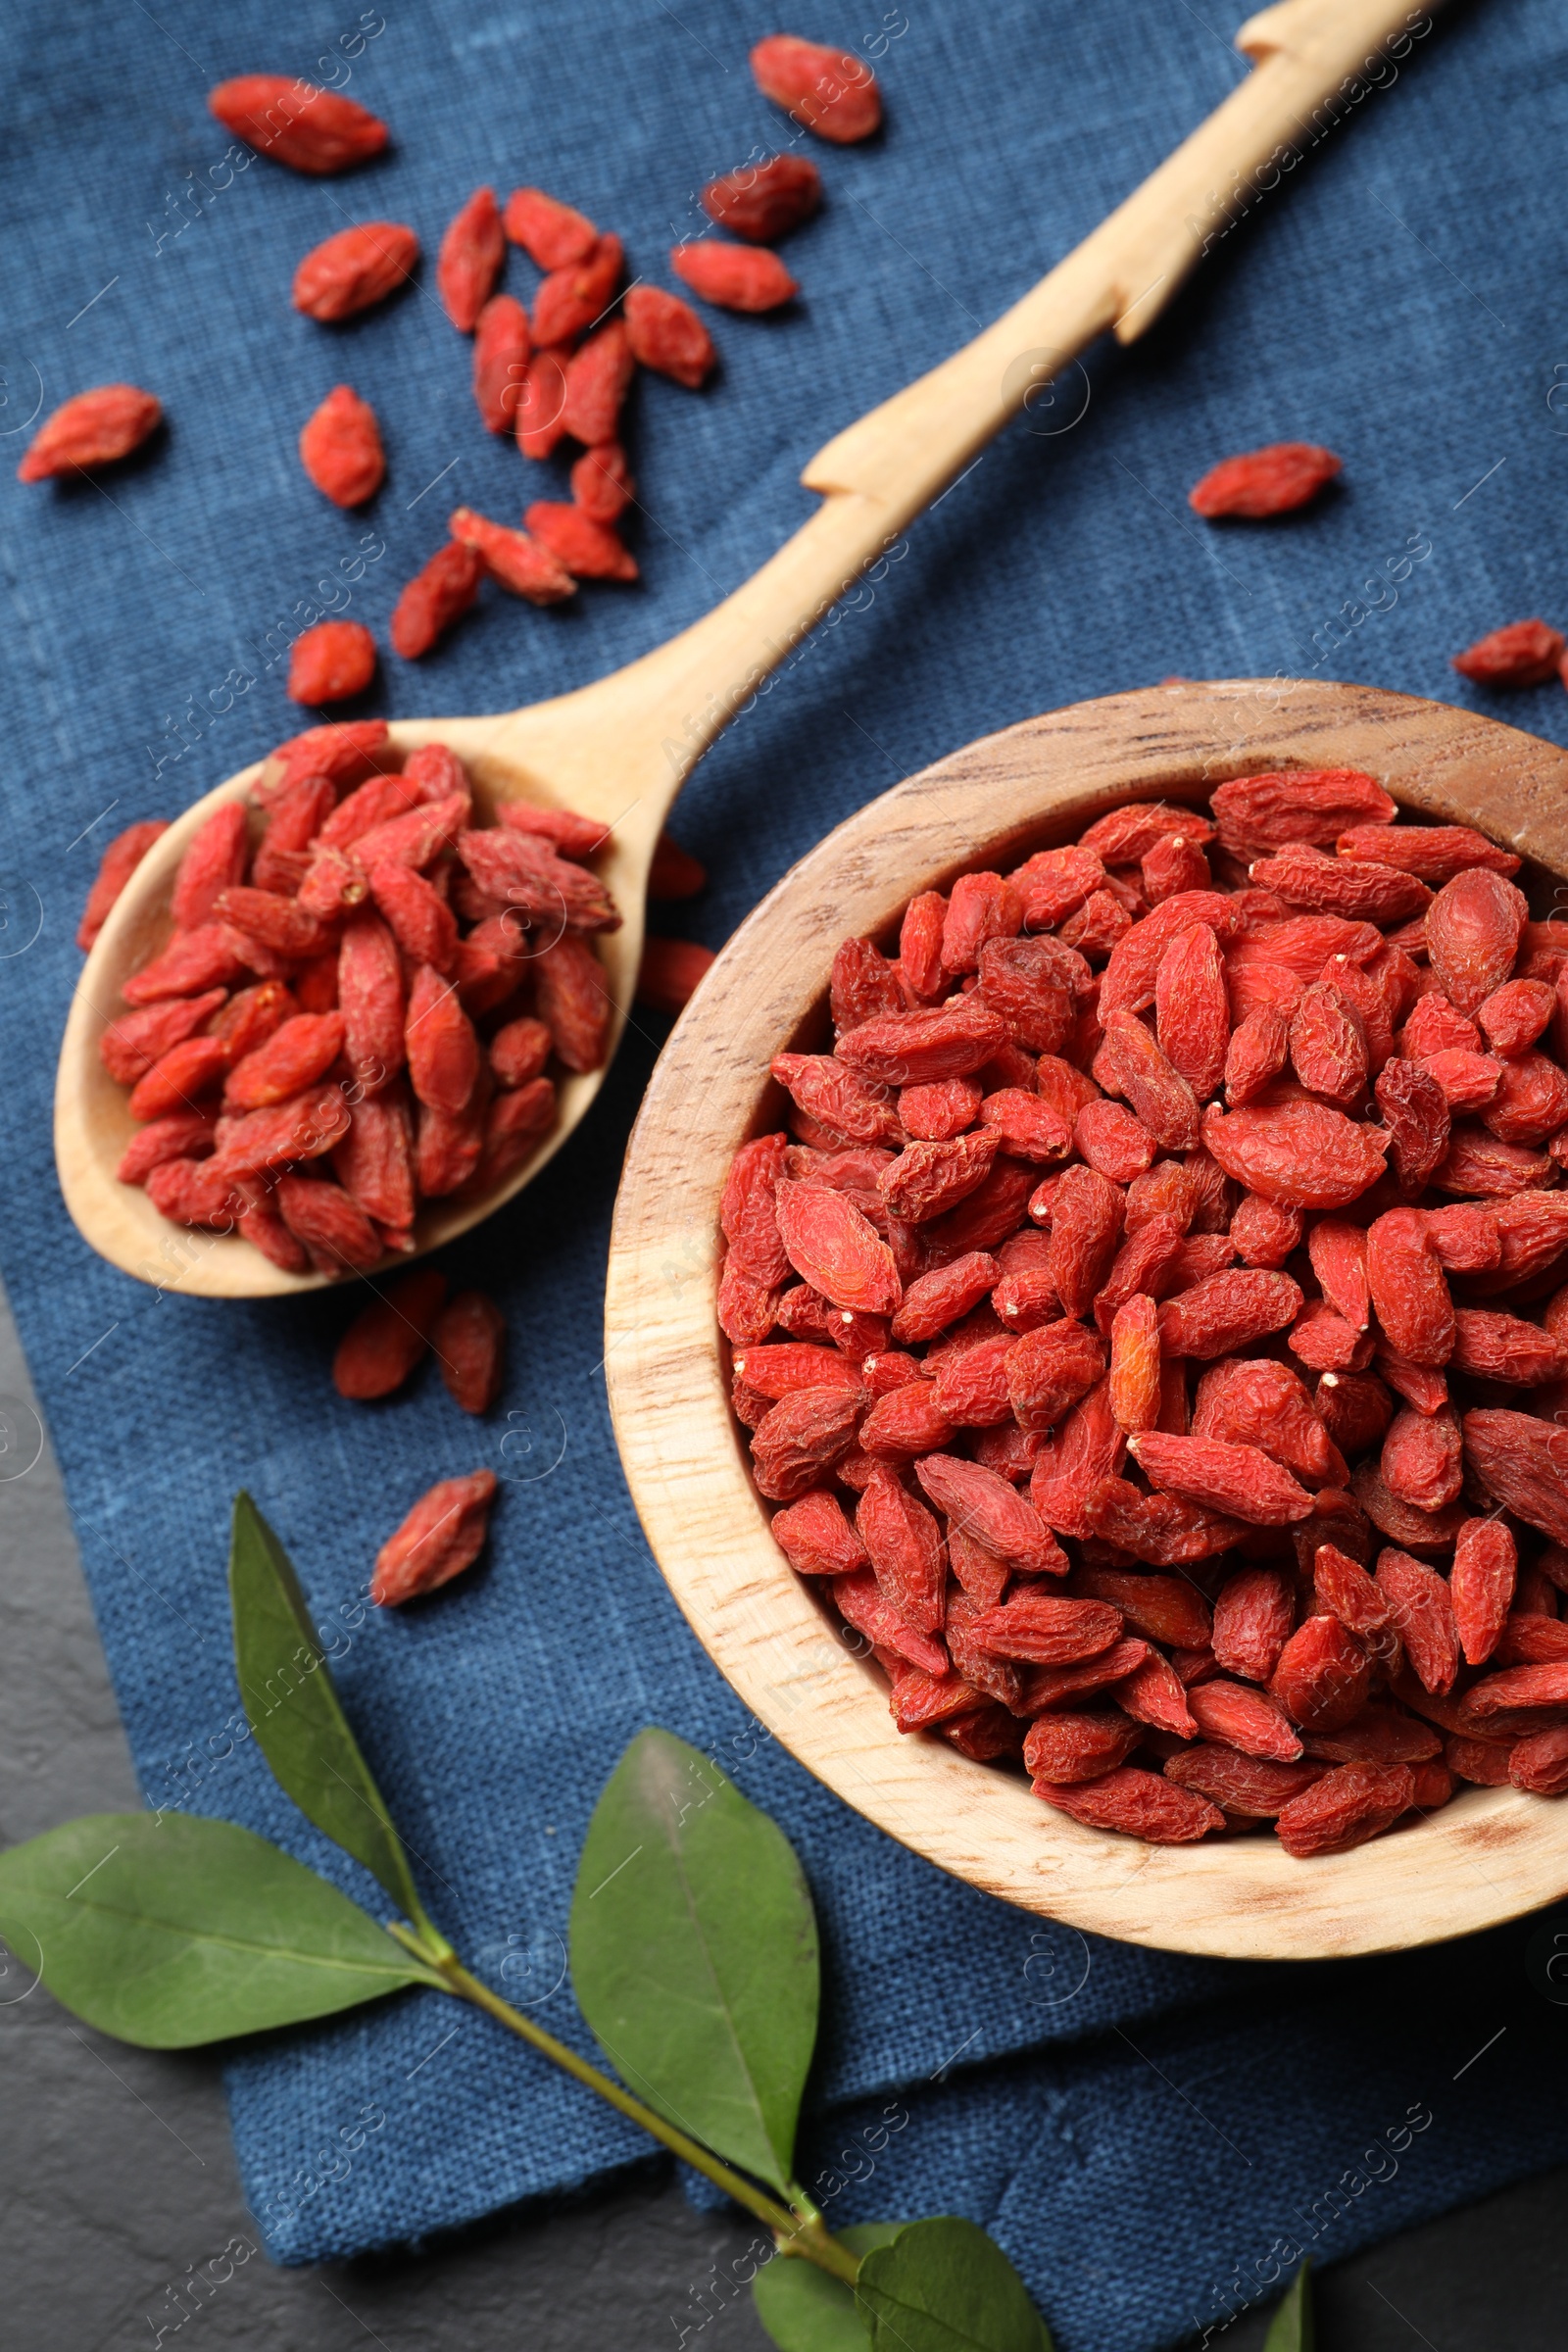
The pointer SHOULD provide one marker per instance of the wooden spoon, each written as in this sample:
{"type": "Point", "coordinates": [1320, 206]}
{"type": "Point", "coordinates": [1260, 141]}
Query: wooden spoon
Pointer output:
{"type": "Point", "coordinates": [1489, 1856]}
{"type": "Point", "coordinates": [619, 750]}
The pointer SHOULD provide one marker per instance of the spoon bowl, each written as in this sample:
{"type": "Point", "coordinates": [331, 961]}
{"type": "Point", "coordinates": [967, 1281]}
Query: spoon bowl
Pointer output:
{"type": "Point", "coordinates": [1486, 1856]}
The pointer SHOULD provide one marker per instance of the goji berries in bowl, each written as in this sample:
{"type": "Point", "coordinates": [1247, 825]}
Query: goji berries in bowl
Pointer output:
{"type": "Point", "coordinates": [340, 1010]}
{"type": "Point", "coordinates": [1137, 1427]}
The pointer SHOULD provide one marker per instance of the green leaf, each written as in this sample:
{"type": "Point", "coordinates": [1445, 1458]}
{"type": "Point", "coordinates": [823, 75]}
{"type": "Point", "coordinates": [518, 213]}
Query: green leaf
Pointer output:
{"type": "Point", "coordinates": [694, 1953]}
{"type": "Point", "coordinates": [807, 2310]}
{"type": "Point", "coordinates": [174, 1930]}
{"type": "Point", "coordinates": [945, 2287]}
{"type": "Point", "coordinates": [1292, 2329]}
{"type": "Point", "coordinates": [295, 1711]}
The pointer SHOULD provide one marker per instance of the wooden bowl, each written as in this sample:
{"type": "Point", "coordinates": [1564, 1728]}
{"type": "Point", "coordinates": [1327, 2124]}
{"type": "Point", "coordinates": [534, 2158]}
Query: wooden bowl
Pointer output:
{"type": "Point", "coordinates": [1489, 1856]}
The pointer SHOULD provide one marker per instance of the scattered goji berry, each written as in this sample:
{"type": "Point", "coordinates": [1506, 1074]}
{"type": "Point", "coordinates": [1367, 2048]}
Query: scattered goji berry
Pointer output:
{"type": "Point", "coordinates": [519, 562]}
{"type": "Point", "coordinates": [1272, 480]}
{"type": "Point", "coordinates": [575, 296]}
{"type": "Point", "coordinates": [830, 91]}
{"type": "Point", "coordinates": [668, 337]}
{"type": "Point", "coordinates": [434, 599]}
{"type": "Point", "coordinates": [601, 485]}
{"type": "Point", "coordinates": [340, 448]}
{"type": "Point", "coordinates": [297, 124]}
{"type": "Point", "coordinates": [549, 231]}
{"type": "Point", "coordinates": [354, 269]}
{"type": "Point", "coordinates": [470, 258]}
{"type": "Point", "coordinates": [93, 428]}
{"type": "Point", "coordinates": [763, 202]}
{"type": "Point", "coordinates": [1526, 652]}
{"type": "Point", "coordinates": [734, 277]}
{"type": "Point", "coordinates": [587, 549]}
{"type": "Point", "coordinates": [331, 662]}
{"type": "Point", "coordinates": [442, 1533]}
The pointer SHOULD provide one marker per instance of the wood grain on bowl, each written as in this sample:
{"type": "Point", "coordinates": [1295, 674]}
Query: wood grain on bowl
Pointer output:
{"type": "Point", "coordinates": [1491, 1854]}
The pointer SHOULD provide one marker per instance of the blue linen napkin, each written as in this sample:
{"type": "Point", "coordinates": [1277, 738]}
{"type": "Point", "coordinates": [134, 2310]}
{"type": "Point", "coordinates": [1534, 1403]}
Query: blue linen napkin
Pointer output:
{"type": "Point", "coordinates": [1141, 2130]}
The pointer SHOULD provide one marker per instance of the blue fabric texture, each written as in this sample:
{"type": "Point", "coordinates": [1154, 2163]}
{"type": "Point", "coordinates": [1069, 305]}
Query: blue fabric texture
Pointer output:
{"type": "Point", "coordinates": [1143, 2132]}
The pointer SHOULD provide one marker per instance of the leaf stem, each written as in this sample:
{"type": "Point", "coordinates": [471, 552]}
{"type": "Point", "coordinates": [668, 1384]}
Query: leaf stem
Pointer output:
{"type": "Point", "coordinates": [794, 2232]}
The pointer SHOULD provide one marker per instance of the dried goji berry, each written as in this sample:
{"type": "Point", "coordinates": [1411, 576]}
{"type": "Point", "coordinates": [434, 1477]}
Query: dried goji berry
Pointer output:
{"type": "Point", "coordinates": [1257, 814]}
{"type": "Point", "coordinates": [1344, 1808]}
{"type": "Point", "coordinates": [927, 1179]}
{"type": "Point", "coordinates": [1238, 1784]}
{"type": "Point", "coordinates": [1360, 891]}
{"type": "Point", "coordinates": [309, 129]}
{"type": "Point", "coordinates": [992, 1513]}
{"type": "Point", "coordinates": [668, 337]}
{"type": "Point", "coordinates": [178, 1135]}
{"type": "Point", "coordinates": [601, 485]}
{"type": "Point", "coordinates": [442, 1533]}
{"type": "Point", "coordinates": [436, 597]}
{"type": "Point", "coordinates": [574, 1001]}
{"type": "Point", "coordinates": [1140, 1804]}
{"type": "Point", "coordinates": [597, 379]}
{"type": "Point", "coordinates": [1243, 1719]}
{"type": "Point", "coordinates": [1525, 652]}
{"type": "Point", "coordinates": [93, 428]}
{"type": "Point", "coordinates": [1436, 852]}
{"type": "Point", "coordinates": [763, 202]}
{"type": "Point", "coordinates": [800, 1437]}
{"type": "Point", "coordinates": [469, 1341]}
{"type": "Point", "coordinates": [1323, 1676]}
{"type": "Point", "coordinates": [331, 662]}
{"type": "Point", "coordinates": [831, 91]}
{"type": "Point", "coordinates": [1272, 480]}
{"type": "Point", "coordinates": [1303, 1152]}
{"type": "Point", "coordinates": [1254, 1614]}
{"type": "Point", "coordinates": [388, 1337]}
{"type": "Point", "coordinates": [340, 449]}
{"type": "Point", "coordinates": [514, 558]}
{"type": "Point", "coordinates": [1064, 1747]}
{"type": "Point", "coordinates": [588, 549]}
{"type": "Point", "coordinates": [502, 348]}
{"type": "Point", "coordinates": [549, 231]}
{"type": "Point", "coordinates": [470, 258]}
{"type": "Point", "coordinates": [119, 862]}
{"type": "Point", "coordinates": [734, 277]}
{"type": "Point", "coordinates": [354, 269]}
{"type": "Point", "coordinates": [539, 405]}
{"type": "Point", "coordinates": [575, 296]}
{"type": "Point", "coordinates": [1135, 1364]}
{"type": "Point", "coordinates": [337, 1235]}
{"type": "Point", "coordinates": [816, 1538]}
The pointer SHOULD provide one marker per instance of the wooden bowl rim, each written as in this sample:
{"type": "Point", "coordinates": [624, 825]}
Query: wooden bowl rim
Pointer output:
{"type": "Point", "coordinates": [1490, 1855]}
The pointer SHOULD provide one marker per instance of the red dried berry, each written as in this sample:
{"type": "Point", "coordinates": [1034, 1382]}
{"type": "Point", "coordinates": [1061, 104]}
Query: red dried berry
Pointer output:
{"type": "Point", "coordinates": [294, 123]}
{"type": "Point", "coordinates": [1344, 1809]}
{"type": "Point", "coordinates": [763, 202]}
{"type": "Point", "coordinates": [434, 599]}
{"type": "Point", "coordinates": [734, 277]}
{"type": "Point", "coordinates": [601, 485]}
{"type": "Point", "coordinates": [470, 263]}
{"type": "Point", "coordinates": [549, 231]}
{"type": "Point", "coordinates": [442, 1534]}
{"type": "Point", "coordinates": [331, 662]}
{"type": "Point", "coordinates": [1526, 652]}
{"type": "Point", "coordinates": [524, 564]}
{"type": "Point", "coordinates": [94, 428]}
{"type": "Point", "coordinates": [1272, 480]}
{"type": "Point", "coordinates": [119, 862]}
{"type": "Point", "coordinates": [830, 91]}
{"type": "Point", "coordinates": [573, 298]}
{"type": "Point", "coordinates": [588, 549]}
{"type": "Point", "coordinates": [668, 337]}
{"type": "Point", "coordinates": [388, 1337]}
{"type": "Point", "coordinates": [354, 269]}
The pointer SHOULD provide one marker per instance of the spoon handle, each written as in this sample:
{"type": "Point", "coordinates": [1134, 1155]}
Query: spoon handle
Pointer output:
{"type": "Point", "coordinates": [1314, 61]}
